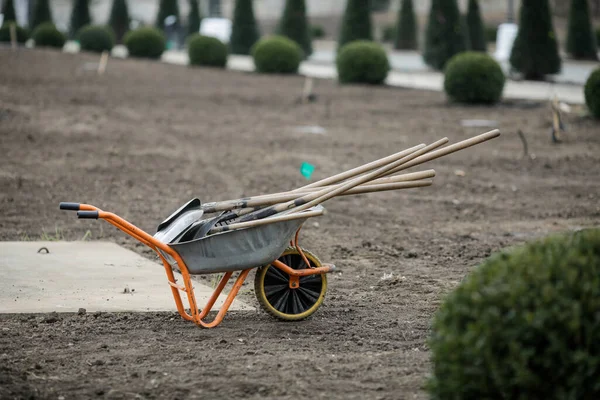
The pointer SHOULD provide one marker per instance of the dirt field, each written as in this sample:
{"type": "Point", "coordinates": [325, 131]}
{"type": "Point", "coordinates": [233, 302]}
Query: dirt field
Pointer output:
{"type": "Point", "coordinates": [147, 137]}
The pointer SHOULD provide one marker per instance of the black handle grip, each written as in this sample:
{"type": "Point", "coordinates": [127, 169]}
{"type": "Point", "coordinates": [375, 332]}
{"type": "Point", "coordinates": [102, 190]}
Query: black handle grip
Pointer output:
{"type": "Point", "coordinates": [69, 206]}
{"type": "Point", "coordinates": [87, 214]}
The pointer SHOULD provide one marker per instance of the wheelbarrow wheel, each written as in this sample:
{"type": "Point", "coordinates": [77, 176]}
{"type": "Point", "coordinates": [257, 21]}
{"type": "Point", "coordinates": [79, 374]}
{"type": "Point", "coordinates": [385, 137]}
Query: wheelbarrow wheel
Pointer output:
{"type": "Point", "coordinates": [271, 286]}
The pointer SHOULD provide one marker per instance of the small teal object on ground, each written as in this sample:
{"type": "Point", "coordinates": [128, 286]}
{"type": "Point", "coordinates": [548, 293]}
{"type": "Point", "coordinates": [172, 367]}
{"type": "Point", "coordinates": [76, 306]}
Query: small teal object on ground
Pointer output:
{"type": "Point", "coordinates": [307, 169]}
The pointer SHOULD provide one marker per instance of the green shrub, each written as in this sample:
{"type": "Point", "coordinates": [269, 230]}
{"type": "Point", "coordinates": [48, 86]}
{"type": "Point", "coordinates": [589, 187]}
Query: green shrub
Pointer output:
{"type": "Point", "coordinates": [244, 29]}
{"type": "Point", "coordinates": [474, 77]}
{"type": "Point", "coordinates": [491, 32]}
{"type": "Point", "coordinates": [388, 33]}
{"type": "Point", "coordinates": [41, 13]}
{"type": "Point", "coordinates": [8, 9]}
{"type": "Point", "coordinates": [445, 34]}
{"type": "Point", "coordinates": [119, 19]}
{"type": "Point", "coordinates": [581, 39]}
{"type": "Point", "coordinates": [362, 61]}
{"type": "Point", "coordinates": [21, 32]}
{"type": "Point", "coordinates": [294, 25]}
{"type": "Point", "coordinates": [277, 55]}
{"type": "Point", "coordinates": [592, 93]}
{"type": "Point", "coordinates": [525, 324]}
{"type": "Point", "coordinates": [80, 17]}
{"type": "Point", "coordinates": [96, 38]}
{"type": "Point", "coordinates": [317, 31]}
{"type": "Point", "coordinates": [145, 42]}
{"type": "Point", "coordinates": [194, 18]}
{"type": "Point", "coordinates": [535, 49]}
{"type": "Point", "coordinates": [208, 51]}
{"type": "Point", "coordinates": [46, 35]}
{"type": "Point", "coordinates": [406, 27]}
{"type": "Point", "coordinates": [475, 27]}
{"type": "Point", "coordinates": [356, 22]}
{"type": "Point", "coordinates": [598, 36]}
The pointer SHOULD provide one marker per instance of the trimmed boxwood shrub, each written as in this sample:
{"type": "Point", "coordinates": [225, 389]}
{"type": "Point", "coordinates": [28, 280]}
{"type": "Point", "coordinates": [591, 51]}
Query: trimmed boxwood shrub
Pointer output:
{"type": "Point", "coordinates": [22, 34]}
{"type": "Point", "coordinates": [277, 55]}
{"type": "Point", "coordinates": [592, 93]}
{"type": "Point", "coordinates": [145, 42]}
{"type": "Point", "coordinates": [362, 61]}
{"type": "Point", "coordinates": [46, 35]}
{"type": "Point", "coordinates": [96, 38]}
{"type": "Point", "coordinates": [206, 50]}
{"type": "Point", "coordinates": [524, 324]}
{"type": "Point", "coordinates": [474, 77]}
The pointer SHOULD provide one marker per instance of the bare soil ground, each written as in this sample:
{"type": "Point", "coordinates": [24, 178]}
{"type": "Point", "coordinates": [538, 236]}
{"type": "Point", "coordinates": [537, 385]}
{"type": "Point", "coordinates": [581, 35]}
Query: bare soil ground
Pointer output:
{"type": "Point", "coordinates": [147, 137]}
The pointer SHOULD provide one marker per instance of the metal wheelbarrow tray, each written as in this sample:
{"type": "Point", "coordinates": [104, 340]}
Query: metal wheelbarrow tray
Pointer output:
{"type": "Point", "coordinates": [290, 282]}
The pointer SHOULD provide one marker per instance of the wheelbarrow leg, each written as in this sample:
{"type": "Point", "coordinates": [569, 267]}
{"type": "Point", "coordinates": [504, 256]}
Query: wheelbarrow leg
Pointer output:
{"type": "Point", "coordinates": [230, 297]}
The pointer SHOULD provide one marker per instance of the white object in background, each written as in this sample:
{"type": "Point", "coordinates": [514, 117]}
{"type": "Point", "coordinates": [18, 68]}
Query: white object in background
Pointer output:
{"type": "Point", "coordinates": [505, 38]}
{"type": "Point", "coordinates": [219, 28]}
{"type": "Point", "coordinates": [1, 19]}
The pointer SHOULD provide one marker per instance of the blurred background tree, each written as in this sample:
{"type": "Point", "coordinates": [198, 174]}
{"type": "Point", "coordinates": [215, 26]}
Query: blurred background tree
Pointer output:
{"type": "Point", "coordinates": [194, 18]}
{"type": "Point", "coordinates": [244, 32]}
{"type": "Point", "coordinates": [356, 22]}
{"type": "Point", "coordinates": [406, 27]}
{"type": "Point", "coordinates": [445, 34]}
{"type": "Point", "coordinates": [475, 26]}
{"type": "Point", "coordinates": [535, 51]}
{"type": "Point", "coordinates": [41, 13]}
{"type": "Point", "coordinates": [119, 19]}
{"type": "Point", "coordinates": [581, 40]}
{"type": "Point", "coordinates": [80, 17]}
{"type": "Point", "coordinates": [294, 25]}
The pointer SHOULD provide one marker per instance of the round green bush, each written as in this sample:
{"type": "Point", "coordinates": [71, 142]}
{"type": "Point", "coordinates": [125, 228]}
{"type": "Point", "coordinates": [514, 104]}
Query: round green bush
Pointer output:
{"type": "Point", "coordinates": [362, 61]}
{"type": "Point", "coordinates": [96, 38]}
{"type": "Point", "coordinates": [22, 34]}
{"type": "Point", "coordinates": [46, 35]}
{"type": "Point", "coordinates": [474, 77]}
{"type": "Point", "coordinates": [277, 55]}
{"type": "Point", "coordinates": [592, 93]}
{"type": "Point", "coordinates": [145, 42]}
{"type": "Point", "coordinates": [206, 50]}
{"type": "Point", "coordinates": [525, 324]}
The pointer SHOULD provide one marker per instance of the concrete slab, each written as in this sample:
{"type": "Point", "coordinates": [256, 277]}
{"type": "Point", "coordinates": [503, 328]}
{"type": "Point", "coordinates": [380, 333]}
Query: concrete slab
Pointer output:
{"type": "Point", "coordinates": [90, 275]}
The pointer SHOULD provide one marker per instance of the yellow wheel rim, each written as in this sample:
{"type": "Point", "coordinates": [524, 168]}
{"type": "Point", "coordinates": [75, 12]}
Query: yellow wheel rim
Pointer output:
{"type": "Point", "coordinates": [275, 296]}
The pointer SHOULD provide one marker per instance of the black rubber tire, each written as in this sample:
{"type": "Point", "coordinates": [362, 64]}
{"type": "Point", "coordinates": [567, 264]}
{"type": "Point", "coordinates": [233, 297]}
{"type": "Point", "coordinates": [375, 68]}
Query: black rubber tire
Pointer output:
{"type": "Point", "coordinates": [278, 299]}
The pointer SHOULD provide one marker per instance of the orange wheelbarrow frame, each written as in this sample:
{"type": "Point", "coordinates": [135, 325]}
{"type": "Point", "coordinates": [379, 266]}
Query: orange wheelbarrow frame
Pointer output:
{"type": "Point", "coordinates": [88, 211]}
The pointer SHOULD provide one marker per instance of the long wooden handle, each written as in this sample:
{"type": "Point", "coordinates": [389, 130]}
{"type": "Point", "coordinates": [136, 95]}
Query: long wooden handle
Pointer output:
{"type": "Point", "coordinates": [322, 194]}
{"type": "Point", "coordinates": [450, 149]}
{"type": "Point", "coordinates": [270, 199]}
{"type": "Point", "coordinates": [270, 220]}
{"type": "Point", "coordinates": [363, 168]}
{"type": "Point", "coordinates": [361, 189]}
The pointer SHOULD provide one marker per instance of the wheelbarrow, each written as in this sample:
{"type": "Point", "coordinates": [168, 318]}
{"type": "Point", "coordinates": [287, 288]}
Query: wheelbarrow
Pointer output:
{"type": "Point", "coordinates": [262, 232]}
{"type": "Point", "coordinates": [290, 282]}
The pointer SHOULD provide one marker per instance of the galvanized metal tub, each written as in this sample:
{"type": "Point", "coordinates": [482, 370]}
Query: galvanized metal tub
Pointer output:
{"type": "Point", "coordinates": [237, 249]}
